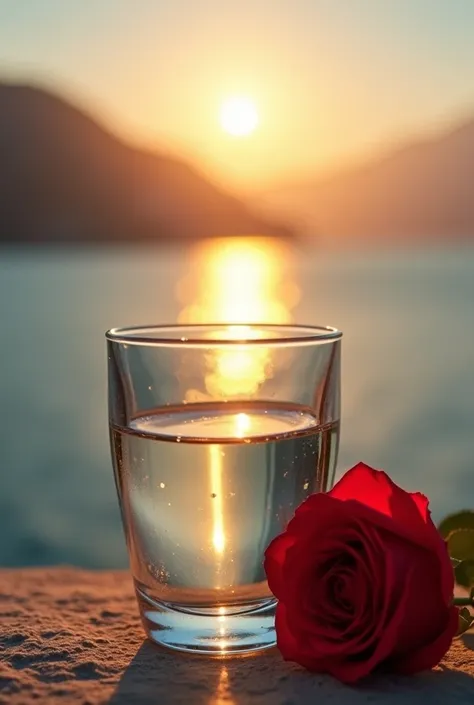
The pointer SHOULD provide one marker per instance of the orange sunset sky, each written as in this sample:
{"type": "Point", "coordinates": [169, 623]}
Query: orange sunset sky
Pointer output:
{"type": "Point", "coordinates": [331, 80]}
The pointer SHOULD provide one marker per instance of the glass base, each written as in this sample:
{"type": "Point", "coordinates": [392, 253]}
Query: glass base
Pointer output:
{"type": "Point", "coordinates": [221, 634]}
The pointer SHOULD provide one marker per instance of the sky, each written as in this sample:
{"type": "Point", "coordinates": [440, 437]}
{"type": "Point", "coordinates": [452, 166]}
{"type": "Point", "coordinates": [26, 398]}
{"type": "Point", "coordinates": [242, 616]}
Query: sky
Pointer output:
{"type": "Point", "coordinates": [334, 81]}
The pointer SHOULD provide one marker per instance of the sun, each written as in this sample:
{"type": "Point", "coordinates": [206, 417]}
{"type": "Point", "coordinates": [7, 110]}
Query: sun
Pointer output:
{"type": "Point", "coordinates": [238, 116]}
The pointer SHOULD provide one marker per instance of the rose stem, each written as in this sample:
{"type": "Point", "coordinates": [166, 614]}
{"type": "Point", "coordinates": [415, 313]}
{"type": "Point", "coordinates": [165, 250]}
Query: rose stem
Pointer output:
{"type": "Point", "coordinates": [463, 602]}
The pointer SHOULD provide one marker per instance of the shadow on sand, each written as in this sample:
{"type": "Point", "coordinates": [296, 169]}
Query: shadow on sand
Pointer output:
{"type": "Point", "coordinates": [157, 677]}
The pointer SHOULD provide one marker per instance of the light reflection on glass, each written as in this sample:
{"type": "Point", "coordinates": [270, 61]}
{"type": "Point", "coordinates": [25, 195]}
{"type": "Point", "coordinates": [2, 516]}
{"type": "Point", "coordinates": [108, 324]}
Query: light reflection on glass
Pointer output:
{"type": "Point", "coordinates": [215, 465]}
{"type": "Point", "coordinates": [242, 425]}
{"type": "Point", "coordinates": [221, 619]}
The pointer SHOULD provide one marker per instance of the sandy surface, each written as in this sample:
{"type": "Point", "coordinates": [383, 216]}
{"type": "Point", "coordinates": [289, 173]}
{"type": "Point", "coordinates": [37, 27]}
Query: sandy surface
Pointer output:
{"type": "Point", "coordinates": [69, 636]}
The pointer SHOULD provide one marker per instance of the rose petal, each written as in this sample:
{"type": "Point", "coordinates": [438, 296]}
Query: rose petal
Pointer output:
{"type": "Point", "coordinates": [309, 561]}
{"type": "Point", "coordinates": [376, 490]}
{"type": "Point", "coordinates": [291, 647]}
{"type": "Point", "coordinates": [290, 558]}
{"type": "Point", "coordinates": [321, 511]}
{"type": "Point", "coordinates": [318, 512]}
{"type": "Point", "coordinates": [372, 610]}
{"type": "Point", "coordinates": [371, 637]}
{"type": "Point", "coordinates": [431, 654]}
{"type": "Point", "coordinates": [438, 546]}
{"type": "Point", "coordinates": [286, 640]}
{"type": "Point", "coordinates": [274, 562]}
{"type": "Point", "coordinates": [340, 586]}
{"type": "Point", "coordinates": [352, 670]}
{"type": "Point", "coordinates": [312, 611]}
{"type": "Point", "coordinates": [361, 595]}
{"type": "Point", "coordinates": [333, 611]}
{"type": "Point", "coordinates": [375, 564]}
{"type": "Point", "coordinates": [325, 634]}
{"type": "Point", "coordinates": [426, 611]}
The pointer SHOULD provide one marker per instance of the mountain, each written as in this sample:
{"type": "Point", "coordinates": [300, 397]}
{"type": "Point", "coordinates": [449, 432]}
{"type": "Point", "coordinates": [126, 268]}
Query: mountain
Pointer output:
{"type": "Point", "coordinates": [422, 191]}
{"type": "Point", "coordinates": [63, 177]}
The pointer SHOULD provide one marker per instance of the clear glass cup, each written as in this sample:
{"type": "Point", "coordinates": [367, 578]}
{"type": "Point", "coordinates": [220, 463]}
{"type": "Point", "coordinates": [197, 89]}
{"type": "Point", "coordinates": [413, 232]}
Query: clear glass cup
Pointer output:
{"type": "Point", "coordinates": [218, 433]}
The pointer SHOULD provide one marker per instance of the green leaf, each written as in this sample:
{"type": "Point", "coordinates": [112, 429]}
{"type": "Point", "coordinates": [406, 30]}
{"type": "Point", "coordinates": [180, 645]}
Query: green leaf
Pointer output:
{"type": "Point", "coordinates": [465, 621]}
{"type": "Point", "coordinates": [461, 544]}
{"type": "Point", "coordinates": [454, 522]}
{"type": "Point", "coordinates": [464, 573]}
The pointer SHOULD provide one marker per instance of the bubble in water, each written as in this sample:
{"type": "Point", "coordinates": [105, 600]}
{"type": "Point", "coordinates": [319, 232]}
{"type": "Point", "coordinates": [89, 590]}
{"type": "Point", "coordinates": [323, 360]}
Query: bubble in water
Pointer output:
{"type": "Point", "coordinates": [285, 474]}
{"type": "Point", "coordinates": [213, 495]}
{"type": "Point", "coordinates": [162, 485]}
{"type": "Point", "coordinates": [306, 485]}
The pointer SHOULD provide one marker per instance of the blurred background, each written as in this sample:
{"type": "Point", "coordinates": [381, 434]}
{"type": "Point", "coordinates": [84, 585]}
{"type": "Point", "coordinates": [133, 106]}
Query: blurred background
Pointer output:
{"type": "Point", "coordinates": [307, 161]}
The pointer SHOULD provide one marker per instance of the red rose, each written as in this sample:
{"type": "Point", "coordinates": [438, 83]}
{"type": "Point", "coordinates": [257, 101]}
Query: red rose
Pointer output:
{"type": "Point", "coordinates": [363, 580]}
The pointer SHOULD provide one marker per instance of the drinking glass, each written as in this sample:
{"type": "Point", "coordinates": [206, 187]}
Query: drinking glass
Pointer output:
{"type": "Point", "coordinates": [218, 433]}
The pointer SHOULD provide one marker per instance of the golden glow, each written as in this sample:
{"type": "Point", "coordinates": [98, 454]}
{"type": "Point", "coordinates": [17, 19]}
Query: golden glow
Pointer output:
{"type": "Point", "coordinates": [237, 373]}
{"type": "Point", "coordinates": [215, 465]}
{"type": "Point", "coordinates": [241, 281]}
{"type": "Point", "coordinates": [242, 425]}
{"type": "Point", "coordinates": [238, 116]}
{"type": "Point", "coordinates": [222, 619]}
{"type": "Point", "coordinates": [222, 695]}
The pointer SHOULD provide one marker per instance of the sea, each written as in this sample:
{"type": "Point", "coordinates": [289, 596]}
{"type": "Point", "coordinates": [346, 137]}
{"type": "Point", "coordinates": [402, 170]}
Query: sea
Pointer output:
{"type": "Point", "coordinates": [407, 376]}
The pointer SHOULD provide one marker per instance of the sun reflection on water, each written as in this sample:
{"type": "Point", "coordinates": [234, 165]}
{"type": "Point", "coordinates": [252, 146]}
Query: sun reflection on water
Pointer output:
{"type": "Point", "coordinates": [239, 281]}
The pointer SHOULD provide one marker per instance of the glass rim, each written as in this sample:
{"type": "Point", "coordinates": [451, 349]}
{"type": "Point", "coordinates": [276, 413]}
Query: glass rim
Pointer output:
{"type": "Point", "coordinates": [287, 334]}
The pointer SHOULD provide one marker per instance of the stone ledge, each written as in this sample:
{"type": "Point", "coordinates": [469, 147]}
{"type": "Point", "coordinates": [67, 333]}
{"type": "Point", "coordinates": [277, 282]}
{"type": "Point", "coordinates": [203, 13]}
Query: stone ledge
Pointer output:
{"type": "Point", "coordinates": [73, 636]}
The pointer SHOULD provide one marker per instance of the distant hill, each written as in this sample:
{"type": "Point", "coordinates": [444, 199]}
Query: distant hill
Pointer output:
{"type": "Point", "coordinates": [63, 177]}
{"type": "Point", "coordinates": [423, 191]}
